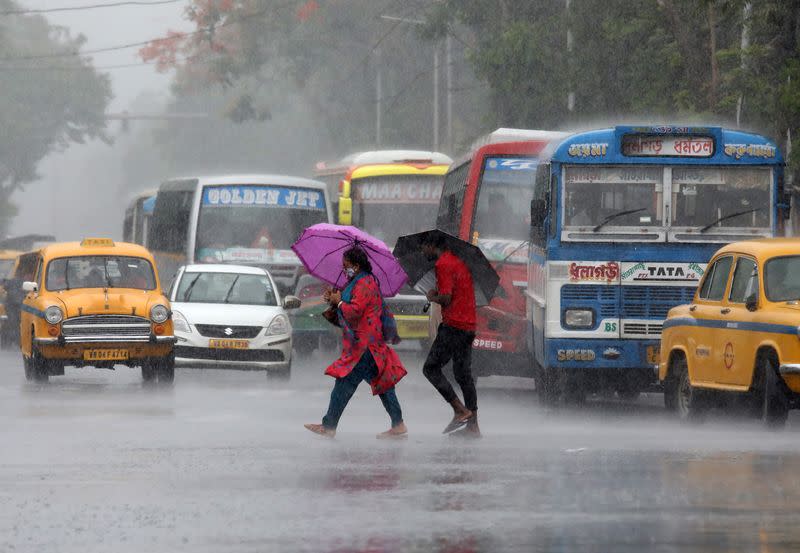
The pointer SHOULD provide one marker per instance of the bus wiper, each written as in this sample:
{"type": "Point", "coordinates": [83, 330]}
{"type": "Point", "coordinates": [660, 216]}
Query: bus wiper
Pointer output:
{"type": "Point", "coordinates": [616, 216]}
{"type": "Point", "coordinates": [731, 216]}
{"type": "Point", "coordinates": [230, 290]}
{"type": "Point", "coordinates": [509, 256]}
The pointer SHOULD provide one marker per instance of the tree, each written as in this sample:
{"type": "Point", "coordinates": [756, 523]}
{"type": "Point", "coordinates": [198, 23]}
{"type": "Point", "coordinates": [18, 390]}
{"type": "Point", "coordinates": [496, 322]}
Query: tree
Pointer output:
{"type": "Point", "coordinates": [46, 102]}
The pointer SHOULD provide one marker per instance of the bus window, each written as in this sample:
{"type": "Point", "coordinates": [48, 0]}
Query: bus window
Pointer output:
{"type": "Point", "coordinates": [702, 195]}
{"type": "Point", "coordinates": [504, 198]}
{"type": "Point", "coordinates": [171, 221]}
{"type": "Point", "coordinates": [452, 202]}
{"type": "Point", "coordinates": [225, 229]}
{"type": "Point", "coordinates": [390, 206]}
{"type": "Point", "coordinates": [593, 194]}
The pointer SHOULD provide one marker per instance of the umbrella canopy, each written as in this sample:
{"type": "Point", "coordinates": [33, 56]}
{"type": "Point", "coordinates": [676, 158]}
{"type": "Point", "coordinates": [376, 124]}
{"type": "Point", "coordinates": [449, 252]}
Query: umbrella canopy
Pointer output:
{"type": "Point", "coordinates": [409, 253]}
{"type": "Point", "coordinates": [321, 246]}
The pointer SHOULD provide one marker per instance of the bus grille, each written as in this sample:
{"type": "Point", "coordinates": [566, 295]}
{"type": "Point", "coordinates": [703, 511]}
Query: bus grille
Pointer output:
{"type": "Point", "coordinates": [653, 302]}
{"type": "Point", "coordinates": [106, 328]}
{"type": "Point", "coordinates": [641, 329]}
{"type": "Point", "coordinates": [604, 299]}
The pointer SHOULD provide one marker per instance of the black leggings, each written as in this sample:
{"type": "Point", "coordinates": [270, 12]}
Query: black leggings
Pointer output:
{"type": "Point", "coordinates": [455, 344]}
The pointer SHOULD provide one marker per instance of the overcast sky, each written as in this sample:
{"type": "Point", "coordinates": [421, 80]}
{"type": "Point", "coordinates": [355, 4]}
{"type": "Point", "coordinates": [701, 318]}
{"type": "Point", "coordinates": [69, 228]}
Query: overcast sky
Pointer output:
{"type": "Point", "coordinates": [65, 201]}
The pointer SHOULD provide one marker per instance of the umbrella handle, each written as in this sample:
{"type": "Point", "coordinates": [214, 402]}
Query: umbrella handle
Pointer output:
{"type": "Point", "coordinates": [426, 307]}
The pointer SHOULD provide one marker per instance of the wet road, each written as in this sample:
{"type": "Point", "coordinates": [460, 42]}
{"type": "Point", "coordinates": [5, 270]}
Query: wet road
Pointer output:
{"type": "Point", "coordinates": [95, 462]}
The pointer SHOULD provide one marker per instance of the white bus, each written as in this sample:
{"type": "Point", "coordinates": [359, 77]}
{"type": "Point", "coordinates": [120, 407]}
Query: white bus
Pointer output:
{"type": "Point", "coordinates": [242, 219]}
{"type": "Point", "coordinates": [137, 217]}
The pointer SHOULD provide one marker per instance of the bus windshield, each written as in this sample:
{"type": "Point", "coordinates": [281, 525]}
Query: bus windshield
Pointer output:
{"type": "Point", "coordinates": [701, 199]}
{"type": "Point", "coordinates": [732, 197]}
{"type": "Point", "coordinates": [244, 222]}
{"type": "Point", "coordinates": [390, 206]}
{"type": "Point", "coordinates": [502, 215]}
{"type": "Point", "coordinates": [100, 271]}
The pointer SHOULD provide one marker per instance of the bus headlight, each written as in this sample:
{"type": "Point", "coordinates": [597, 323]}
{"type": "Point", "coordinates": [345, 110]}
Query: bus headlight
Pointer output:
{"type": "Point", "coordinates": [53, 315]}
{"type": "Point", "coordinates": [579, 318]}
{"type": "Point", "coordinates": [159, 314]}
{"type": "Point", "coordinates": [279, 325]}
{"type": "Point", "coordinates": [180, 323]}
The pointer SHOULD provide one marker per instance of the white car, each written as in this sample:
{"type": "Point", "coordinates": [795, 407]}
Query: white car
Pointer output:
{"type": "Point", "coordinates": [231, 316]}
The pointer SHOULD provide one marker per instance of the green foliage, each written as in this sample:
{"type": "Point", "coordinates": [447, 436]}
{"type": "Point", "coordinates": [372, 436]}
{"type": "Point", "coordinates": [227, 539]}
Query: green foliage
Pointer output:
{"type": "Point", "coordinates": [45, 103]}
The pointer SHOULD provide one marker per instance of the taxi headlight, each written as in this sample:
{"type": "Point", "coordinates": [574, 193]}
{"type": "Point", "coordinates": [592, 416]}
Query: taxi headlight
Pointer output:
{"type": "Point", "coordinates": [159, 314]}
{"type": "Point", "coordinates": [53, 315]}
{"type": "Point", "coordinates": [279, 325]}
{"type": "Point", "coordinates": [180, 323]}
{"type": "Point", "coordinates": [579, 318]}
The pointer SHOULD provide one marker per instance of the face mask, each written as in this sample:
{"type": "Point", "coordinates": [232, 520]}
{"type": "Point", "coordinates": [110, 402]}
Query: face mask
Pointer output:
{"type": "Point", "coordinates": [350, 272]}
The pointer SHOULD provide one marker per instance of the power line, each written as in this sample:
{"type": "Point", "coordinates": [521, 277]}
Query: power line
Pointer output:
{"type": "Point", "coordinates": [89, 7]}
{"type": "Point", "coordinates": [143, 42]}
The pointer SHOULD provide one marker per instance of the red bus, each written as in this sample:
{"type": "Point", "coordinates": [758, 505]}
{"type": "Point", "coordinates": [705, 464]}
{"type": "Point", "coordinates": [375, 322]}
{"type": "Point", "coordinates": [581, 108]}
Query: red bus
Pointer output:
{"type": "Point", "coordinates": [486, 200]}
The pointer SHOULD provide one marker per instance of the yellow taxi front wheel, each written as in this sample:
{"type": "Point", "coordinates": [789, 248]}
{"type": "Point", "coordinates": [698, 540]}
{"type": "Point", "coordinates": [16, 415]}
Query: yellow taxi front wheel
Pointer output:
{"type": "Point", "coordinates": [159, 369]}
{"type": "Point", "coordinates": [36, 367]}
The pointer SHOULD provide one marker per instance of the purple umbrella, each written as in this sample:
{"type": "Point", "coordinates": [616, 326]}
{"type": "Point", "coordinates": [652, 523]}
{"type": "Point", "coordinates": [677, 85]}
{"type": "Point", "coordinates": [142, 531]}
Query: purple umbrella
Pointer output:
{"type": "Point", "coordinates": [321, 246]}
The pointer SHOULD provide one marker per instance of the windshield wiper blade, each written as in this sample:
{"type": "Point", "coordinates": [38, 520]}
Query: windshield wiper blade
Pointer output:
{"type": "Point", "coordinates": [187, 294]}
{"type": "Point", "coordinates": [230, 290]}
{"type": "Point", "coordinates": [617, 215]}
{"type": "Point", "coordinates": [731, 216]}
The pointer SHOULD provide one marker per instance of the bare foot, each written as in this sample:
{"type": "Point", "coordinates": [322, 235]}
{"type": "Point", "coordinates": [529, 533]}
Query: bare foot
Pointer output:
{"type": "Point", "coordinates": [460, 418]}
{"type": "Point", "coordinates": [321, 430]}
{"type": "Point", "coordinates": [398, 432]}
{"type": "Point", "coordinates": [469, 432]}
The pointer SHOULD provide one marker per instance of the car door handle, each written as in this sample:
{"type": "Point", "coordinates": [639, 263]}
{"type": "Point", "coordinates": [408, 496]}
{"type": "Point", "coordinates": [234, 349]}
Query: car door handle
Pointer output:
{"type": "Point", "coordinates": [725, 310]}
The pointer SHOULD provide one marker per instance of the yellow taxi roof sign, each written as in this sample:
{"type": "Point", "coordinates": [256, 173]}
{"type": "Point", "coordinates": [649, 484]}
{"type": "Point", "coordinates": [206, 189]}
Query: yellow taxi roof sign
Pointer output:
{"type": "Point", "coordinates": [97, 242]}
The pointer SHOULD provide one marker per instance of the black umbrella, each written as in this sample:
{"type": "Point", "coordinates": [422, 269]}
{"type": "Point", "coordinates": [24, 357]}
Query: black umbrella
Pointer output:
{"type": "Point", "coordinates": [408, 252]}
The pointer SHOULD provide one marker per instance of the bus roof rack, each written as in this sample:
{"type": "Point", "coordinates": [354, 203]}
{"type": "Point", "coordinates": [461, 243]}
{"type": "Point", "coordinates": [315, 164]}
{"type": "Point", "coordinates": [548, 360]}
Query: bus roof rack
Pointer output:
{"type": "Point", "coordinates": [504, 134]}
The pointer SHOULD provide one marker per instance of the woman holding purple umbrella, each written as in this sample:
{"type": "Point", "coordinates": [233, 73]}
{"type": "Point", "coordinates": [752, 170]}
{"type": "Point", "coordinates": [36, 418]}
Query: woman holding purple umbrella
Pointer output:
{"type": "Point", "coordinates": [365, 354]}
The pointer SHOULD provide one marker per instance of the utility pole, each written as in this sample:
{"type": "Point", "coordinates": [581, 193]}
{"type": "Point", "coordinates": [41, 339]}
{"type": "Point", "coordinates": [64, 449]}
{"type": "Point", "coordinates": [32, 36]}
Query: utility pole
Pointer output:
{"type": "Point", "coordinates": [436, 97]}
{"type": "Point", "coordinates": [570, 92]}
{"type": "Point", "coordinates": [378, 97]}
{"type": "Point", "coordinates": [747, 11]}
{"type": "Point", "coordinates": [448, 50]}
{"type": "Point", "coordinates": [435, 82]}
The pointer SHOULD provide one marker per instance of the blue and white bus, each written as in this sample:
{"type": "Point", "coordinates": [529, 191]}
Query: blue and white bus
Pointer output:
{"type": "Point", "coordinates": [623, 221]}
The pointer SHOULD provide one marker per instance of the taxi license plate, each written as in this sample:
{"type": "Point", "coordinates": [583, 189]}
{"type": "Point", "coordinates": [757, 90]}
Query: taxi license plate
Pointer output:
{"type": "Point", "coordinates": [105, 355]}
{"type": "Point", "coordinates": [228, 344]}
{"type": "Point", "coordinates": [653, 355]}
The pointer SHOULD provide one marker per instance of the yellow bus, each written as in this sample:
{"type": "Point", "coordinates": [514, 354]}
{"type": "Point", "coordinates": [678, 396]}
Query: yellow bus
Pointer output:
{"type": "Point", "coordinates": [388, 193]}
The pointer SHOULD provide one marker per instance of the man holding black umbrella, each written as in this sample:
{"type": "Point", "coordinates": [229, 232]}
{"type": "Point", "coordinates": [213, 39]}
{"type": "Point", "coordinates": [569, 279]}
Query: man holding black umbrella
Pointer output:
{"type": "Point", "coordinates": [455, 293]}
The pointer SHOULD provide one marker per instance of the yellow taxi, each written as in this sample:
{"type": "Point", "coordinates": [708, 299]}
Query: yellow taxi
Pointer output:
{"type": "Point", "coordinates": [96, 303]}
{"type": "Point", "coordinates": [739, 340]}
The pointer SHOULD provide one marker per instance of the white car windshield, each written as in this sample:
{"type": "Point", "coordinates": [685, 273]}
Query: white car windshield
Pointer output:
{"type": "Point", "coordinates": [234, 288]}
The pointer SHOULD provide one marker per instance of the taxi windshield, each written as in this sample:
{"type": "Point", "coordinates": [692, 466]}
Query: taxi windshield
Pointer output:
{"type": "Point", "coordinates": [235, 288]}
{"type": "Point", "coordinates": [100, 271]}
{"type": "Point", "coordinates": [782, 278]}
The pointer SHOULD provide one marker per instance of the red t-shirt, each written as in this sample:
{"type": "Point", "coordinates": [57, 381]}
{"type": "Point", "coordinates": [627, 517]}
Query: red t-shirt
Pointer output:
{"type": "Point", "coordinates": [454, 279]}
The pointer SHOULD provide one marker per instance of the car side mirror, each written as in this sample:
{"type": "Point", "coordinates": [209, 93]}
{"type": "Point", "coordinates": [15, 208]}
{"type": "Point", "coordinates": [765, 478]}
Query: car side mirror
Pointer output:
{"type": "Point", "coordinates": [29, 286]}
{"type": "Point", "coordinates": [751, 303]}
{"type": "Point", "coordinates": [291, 302]}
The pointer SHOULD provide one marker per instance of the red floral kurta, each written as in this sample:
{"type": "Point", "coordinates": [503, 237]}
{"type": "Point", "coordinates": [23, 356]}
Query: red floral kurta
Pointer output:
{"type": "Point", "coordinates": [361, 330]}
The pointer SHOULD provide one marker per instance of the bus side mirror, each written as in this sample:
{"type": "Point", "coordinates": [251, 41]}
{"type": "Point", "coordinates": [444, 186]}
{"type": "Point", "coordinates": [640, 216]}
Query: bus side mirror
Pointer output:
{"type": "Point", "coordinates": [751, 303]}
{"type": "Point", "coordinates": [345, 211]}
{"type": "Point", "coordinates": [538, 215]}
